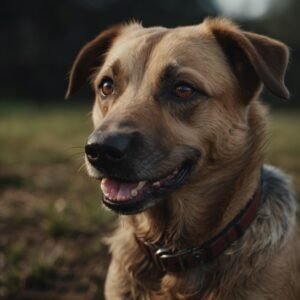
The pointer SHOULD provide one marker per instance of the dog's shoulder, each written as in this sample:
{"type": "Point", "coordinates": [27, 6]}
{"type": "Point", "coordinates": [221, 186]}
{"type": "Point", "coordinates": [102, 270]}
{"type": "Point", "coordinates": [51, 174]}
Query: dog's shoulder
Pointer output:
{"type": "Point", "coordinates": [279, 207]}
{"type": "Point", "coordinates": [275, 224]}
{"type": "Point", "coordinates": [277, 188]}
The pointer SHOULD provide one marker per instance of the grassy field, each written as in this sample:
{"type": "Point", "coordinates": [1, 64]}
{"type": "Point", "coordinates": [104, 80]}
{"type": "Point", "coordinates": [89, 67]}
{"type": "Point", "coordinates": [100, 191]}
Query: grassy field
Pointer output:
{"type": "Point", "coordinates": [51, 219]}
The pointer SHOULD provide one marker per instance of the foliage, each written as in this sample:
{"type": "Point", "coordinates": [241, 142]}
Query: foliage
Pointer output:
{"type": "Point", "coordinates": [43, 37]}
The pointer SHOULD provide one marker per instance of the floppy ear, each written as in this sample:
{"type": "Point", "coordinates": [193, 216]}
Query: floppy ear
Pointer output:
{"type": "Point", "coordinates": [90, 57]}
{"type": "Point", "coordinates": [254, 59]}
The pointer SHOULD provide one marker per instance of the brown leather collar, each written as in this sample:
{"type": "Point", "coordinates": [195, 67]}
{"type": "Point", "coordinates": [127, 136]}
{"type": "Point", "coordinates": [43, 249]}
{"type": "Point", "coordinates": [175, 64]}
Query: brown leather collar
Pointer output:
{"type": "Point", "coordinates": [175, 261]}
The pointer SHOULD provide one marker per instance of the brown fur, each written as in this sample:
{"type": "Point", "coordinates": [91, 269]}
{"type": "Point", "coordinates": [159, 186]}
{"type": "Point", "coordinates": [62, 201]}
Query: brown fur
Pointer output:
{"type": "Point", "coordinates": [229, 127]}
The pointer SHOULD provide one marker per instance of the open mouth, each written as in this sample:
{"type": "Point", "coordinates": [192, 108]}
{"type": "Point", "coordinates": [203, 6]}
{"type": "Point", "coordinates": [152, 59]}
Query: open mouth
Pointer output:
{"type": "Point", "coordinates": [133, 197]}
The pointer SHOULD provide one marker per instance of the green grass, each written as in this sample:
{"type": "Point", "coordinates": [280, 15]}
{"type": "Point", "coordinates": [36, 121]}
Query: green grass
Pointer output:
{"type": "Point", "coordinates": [51, 219]}
{"type": "Point", "coordinates": [284, 144]}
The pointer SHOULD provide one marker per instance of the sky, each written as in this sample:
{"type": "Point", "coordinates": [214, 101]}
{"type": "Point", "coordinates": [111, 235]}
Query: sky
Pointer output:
{"type": "Point", "coordinates": [249, 9]}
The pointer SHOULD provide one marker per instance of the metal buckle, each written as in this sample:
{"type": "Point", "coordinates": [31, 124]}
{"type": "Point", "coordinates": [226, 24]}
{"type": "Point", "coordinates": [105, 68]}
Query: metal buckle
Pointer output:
{"type": "Point", "coordinates": [169, 260]}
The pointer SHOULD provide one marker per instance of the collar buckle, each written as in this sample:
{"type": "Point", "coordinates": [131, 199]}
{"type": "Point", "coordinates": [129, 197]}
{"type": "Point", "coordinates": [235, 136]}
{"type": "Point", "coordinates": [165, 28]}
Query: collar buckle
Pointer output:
{"type": "Point", "coordinates": [174, 261]}
{"type": "Point", "coordinates": [177, 261]}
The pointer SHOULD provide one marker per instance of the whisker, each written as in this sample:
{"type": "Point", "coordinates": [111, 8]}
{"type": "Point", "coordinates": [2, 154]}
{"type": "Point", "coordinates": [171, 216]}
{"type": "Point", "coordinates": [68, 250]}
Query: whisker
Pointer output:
{"type": "Point", "coordinates": [76, 154]}
{"type": "Point", "coordinates": [81, 147]}
{"type": "Point", "coordinates": [78, 159]}
{"type": "Point", "coordinates": [81, 167]}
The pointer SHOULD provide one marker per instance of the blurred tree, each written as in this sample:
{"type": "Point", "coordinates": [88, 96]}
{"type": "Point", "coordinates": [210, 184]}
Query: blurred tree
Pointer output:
{"type": "Point", "coordinates": [41, 38]}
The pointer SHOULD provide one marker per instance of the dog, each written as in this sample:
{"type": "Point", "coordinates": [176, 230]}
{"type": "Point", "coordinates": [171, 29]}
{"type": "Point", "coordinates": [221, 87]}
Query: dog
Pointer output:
{"type": "Point", "coordinates": [178, 149]}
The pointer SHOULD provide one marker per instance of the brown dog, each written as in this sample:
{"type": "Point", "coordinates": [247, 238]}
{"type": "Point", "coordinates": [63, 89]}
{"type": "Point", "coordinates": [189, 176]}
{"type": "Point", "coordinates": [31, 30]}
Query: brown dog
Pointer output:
{"type": "Point", "coordinates": [178, 147]}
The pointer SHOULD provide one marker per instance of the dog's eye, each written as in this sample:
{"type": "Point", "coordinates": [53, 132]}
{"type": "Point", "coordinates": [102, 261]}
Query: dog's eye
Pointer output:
{"type": "Point", "coordinates": [184, 90]}
{"type": "Point", "coordinates": [106, 86]}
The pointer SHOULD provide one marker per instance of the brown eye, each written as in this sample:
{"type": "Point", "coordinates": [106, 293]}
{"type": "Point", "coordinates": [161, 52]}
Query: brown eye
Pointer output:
{"type": "Point", "coordinates": [106, 87]}
{"type": "Point", "coordinates": [184, 90]}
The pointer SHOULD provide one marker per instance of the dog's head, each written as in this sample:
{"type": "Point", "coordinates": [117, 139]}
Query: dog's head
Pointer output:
{"type": "Point", "coordinates": [170, 104]}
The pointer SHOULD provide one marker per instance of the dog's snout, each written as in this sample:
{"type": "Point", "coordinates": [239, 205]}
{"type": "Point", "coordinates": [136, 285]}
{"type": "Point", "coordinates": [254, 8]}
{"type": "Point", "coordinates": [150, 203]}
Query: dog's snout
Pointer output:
{"type": "Point", "coordinates": [103, 148]}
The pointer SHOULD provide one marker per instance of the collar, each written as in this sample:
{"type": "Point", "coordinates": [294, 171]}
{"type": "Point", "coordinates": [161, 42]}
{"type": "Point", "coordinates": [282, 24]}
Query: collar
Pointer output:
{"type": "Point", "coordinates": [178, 260]}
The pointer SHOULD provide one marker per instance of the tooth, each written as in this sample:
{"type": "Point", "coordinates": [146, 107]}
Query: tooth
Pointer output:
{"type": "Point", "coordinates": [134, 193]}
{"type": "Point", "coordinates": [102, 183]}
{"type": "Point", "coordinates": [102, 186]}
{"type": "Point", "coordinates": [140, 185]}
{"type": "Point", "coordinates": [156, 183]}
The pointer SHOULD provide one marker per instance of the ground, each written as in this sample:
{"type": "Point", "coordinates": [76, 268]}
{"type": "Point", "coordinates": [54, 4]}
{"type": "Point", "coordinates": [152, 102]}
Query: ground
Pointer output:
{"type": "Point", "coordinates": [52, 222]}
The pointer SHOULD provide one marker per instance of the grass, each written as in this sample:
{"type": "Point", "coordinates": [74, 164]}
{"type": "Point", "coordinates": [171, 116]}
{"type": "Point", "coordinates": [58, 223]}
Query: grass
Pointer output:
{"type": "Point", "coordinates": [284, 144]}
{"type": "Point", "coordinates": [51, 220]}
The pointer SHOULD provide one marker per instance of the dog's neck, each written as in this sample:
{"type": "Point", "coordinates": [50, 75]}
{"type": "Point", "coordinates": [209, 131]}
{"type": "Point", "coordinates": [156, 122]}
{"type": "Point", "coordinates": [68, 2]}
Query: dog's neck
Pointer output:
{"type": "Point", "coordinates": [187, 220]}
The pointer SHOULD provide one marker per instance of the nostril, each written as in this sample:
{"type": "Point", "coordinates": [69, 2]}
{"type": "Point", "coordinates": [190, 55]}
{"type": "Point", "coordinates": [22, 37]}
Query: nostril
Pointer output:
{"type": "Point", "coordinates": [115, 146]}
{"type": "Point", "coordinates": [91, 151]}
{"type": "Point", "coordinates": [114, 153]}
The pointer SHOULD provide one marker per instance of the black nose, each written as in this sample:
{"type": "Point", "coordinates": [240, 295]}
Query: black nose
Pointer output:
{"type": "Point", "coordinates": [108, 147]}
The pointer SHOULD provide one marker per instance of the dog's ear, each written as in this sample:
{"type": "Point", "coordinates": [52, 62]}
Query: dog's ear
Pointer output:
{"type": "Point", "coordinates": [254, 59]}
{"type": "Point", "coordinates": [90, 57]}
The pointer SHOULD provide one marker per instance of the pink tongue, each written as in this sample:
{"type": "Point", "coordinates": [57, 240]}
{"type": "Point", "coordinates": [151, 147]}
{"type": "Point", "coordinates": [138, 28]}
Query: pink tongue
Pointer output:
{"type": "Point", "coordinates": [116, 190]}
